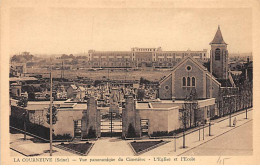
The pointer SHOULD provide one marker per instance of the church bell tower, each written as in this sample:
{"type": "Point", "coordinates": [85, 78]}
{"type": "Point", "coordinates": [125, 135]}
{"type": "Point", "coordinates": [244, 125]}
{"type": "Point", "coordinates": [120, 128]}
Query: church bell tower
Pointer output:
{"type": "Point", "coordinates": [219, 56]}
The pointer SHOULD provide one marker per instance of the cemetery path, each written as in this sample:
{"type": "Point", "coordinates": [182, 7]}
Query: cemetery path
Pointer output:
{"type": "Point", "coordinates": [111, 147]}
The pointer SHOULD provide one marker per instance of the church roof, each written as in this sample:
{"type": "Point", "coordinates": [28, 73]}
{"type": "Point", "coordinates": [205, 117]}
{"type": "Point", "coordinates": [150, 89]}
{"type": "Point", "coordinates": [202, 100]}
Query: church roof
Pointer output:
{"type": "Point", "coordinates": [218, 39]}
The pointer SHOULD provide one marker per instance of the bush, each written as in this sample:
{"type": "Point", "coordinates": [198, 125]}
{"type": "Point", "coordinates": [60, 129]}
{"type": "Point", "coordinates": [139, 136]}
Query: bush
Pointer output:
{"type": "Point", "coordinates": [131, 132]}
{"type": "Point", "coordinates": [91, 134]}
{"type": "Point", "coordinates": [36, 129]}
{"type": "Point", "coordinates": [62, 137]}
{"type": "Point", "coordinates": [171, 133]}
{"type": "Point", "coordinates": [160, 133]}
{"type": "Point", "coordinates": [215, 117]}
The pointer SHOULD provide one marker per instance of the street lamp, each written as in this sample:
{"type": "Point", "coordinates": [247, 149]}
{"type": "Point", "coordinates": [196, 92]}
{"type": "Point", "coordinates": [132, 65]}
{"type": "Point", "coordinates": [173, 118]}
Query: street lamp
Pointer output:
{"type": "Point", "coordinates": [203, 129]}
{"type": "Point", "coordinates": [229, 105]}
{"type": "Point", "coordinates": [24, 124]}
{"type": "Point", "coordinates": [246, 103]}
{"type": "Point", "coordinates": [209, 127]}
{"type": "Point", "coordinates": [199, 129]}
{"type": "Point", "coordinates": [174, 142]}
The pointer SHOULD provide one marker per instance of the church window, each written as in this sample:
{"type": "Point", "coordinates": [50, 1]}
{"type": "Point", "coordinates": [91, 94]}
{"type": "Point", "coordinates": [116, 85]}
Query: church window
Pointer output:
{"type": "Point", "coordinates": [193, 81]}
{"type": "Point", "coordinates": [183, 81]}
{"type": "Point", "coordinates": [166, 87]}
{"type": "Point", "coordinates": [217, 54]}
{"type": "Point", "coordinates": [188, 81]}
{"type": "Point", "coordinates": [188, 68]}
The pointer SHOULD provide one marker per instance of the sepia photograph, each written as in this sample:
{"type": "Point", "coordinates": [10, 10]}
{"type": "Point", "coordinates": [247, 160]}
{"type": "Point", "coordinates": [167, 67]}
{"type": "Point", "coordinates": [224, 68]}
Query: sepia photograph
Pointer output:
{"type": "Point", "coordinates": [159, 84]}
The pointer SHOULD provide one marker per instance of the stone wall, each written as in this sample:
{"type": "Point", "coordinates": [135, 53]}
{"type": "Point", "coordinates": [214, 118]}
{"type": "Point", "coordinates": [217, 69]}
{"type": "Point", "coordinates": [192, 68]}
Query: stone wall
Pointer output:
{"type": "Point", "coordinates": [65, 121]}
{"type": "Point", "coordinates": [180, 91]}
{"type": "Point", "coordinates": [161, 119]}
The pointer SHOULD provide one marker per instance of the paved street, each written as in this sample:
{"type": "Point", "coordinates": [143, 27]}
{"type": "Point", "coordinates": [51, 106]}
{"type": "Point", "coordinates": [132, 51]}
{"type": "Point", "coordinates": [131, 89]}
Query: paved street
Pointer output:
{"type": "Point", "coordinates": [236, 142]}
{"type": "Point", "coordinates": [225, 140]}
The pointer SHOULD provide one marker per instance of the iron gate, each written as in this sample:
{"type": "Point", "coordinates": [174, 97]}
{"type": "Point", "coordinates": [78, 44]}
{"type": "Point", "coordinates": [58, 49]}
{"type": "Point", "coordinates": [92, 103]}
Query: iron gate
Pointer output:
{"type": "Point", "coordinates": [111, 125]}
{"type": "Point", "coordinates": [77, 129]}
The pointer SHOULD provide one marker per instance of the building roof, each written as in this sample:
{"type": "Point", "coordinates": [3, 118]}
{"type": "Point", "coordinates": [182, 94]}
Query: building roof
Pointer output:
{"type": "Point", "coordinates": [218, 39]}
{"type": "Point", "coordinates": [74, 87]}
{"type": "Point", "coordinates": [199, 65]}
{"type": "Point", "coordinates": [81, 88]}
{"type": "Point", "coordinates": [22, 79]}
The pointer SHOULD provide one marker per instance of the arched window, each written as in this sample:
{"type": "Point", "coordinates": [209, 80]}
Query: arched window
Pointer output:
{"type": "Point", "coordinates": [183, 81]}
{"type": "Point", "coordinates": [217, 54]}
{"type": "Point", "coordinates": [193, 81]}
{"type": "Point", "coordinates": [188, 81]}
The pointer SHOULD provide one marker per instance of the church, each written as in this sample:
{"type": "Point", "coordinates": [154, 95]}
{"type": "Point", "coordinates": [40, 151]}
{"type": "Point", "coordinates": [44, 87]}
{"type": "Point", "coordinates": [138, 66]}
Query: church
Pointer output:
{"type": "Point", "coordinates": [189, 74]}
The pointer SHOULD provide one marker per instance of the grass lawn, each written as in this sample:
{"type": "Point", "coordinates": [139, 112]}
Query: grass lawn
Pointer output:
{"type": "Point", "coordinates": [79, 148]}
{"type": "Point", "coordinates": [144, 146]}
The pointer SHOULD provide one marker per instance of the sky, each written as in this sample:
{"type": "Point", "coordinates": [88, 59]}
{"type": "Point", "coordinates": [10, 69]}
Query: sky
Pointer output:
{"type": "Point", "coordinates": [77, 30]}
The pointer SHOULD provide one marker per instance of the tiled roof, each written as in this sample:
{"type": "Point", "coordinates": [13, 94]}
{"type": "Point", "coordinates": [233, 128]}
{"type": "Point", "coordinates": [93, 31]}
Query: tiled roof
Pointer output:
{"type": "Point", "coordinates": [218, 39]}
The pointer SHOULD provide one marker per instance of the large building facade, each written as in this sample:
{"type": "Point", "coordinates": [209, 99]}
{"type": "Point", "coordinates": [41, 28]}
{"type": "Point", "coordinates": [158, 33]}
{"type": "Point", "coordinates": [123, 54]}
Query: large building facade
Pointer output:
{"type": "Point", "coordinates": [141, 57]}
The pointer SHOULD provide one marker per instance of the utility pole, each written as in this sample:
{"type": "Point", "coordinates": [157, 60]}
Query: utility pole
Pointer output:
{"type": "Point", "coordinates": [247, 95]}
{"type": "Point", "coordinates": [246, 112]}
{"type": "Point", "coordinates": [175, 142]}
{"type": "Point", "coordinates": [184, 137]}
{"type": "Point", "coordinates": [209, 127]}
{"type": "Point", "coordinates": [199, 131]}
{"type": "Point", "coordinates": [111, 124]}
{"type": "Point", "coordinates": [229, 98]}
{"type": "Point", "coordinates": [203, 131]}
{"type": "Point", "coordinates": [108, 74]}
{"type": "Point", "coordinates": [51, 114]}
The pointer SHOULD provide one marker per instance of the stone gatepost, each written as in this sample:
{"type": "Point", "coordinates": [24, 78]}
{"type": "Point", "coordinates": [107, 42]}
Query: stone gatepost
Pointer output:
{"type": "Point", "coordinates": [90, 119]}
{"type": "Point", "coordinates": [130, 116]}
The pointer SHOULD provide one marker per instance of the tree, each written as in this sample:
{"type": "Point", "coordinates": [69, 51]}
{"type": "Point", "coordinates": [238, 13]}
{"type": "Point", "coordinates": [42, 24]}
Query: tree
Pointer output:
{"type": "Point", "coordinates": [184, 118]}
{"type": "Point", "coordinates": [190, 105]}
{"type": "Point", "coordinates": [54, 113]}
{"type": "Point", "coordinates": [140, 94]}
{"type": "Point", "coordinates": [31, 96]}
{"type": "Point", "coordinates": [91, 133]}
{"type": "Point", "coordinates": [22, 102]}
{"type": "Point", "coordinates": [144, 81]}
